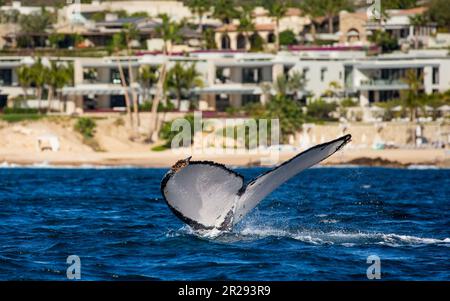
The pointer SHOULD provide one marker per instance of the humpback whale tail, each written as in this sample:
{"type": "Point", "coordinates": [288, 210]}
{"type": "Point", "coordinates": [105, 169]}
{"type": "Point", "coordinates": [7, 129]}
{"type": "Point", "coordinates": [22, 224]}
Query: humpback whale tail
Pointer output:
{"type": "Point", "coordinates": [207, 195]}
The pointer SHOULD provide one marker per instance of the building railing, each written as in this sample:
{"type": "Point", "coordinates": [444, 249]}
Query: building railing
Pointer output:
{"type": "Point", "coordinates": [382, 82]}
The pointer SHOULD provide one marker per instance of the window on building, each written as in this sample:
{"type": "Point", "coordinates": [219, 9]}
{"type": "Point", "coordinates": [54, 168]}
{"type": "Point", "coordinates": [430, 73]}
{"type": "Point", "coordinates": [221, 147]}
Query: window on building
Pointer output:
{"type": "Point", "coordinates": [225, 42]}
{"type": "Point", "coordinates": [348, 76]}
{"type": "Point", "coordinates": [271, 38]}
{"type": "Point", "coordinates": [222, 102]}
{"type": "Point", "coordinates": [5, 77]}
{"type": "Point", "coordinates": [323, 72]}
{"type": "Point", "coordinates": [90, 74]}
{"type": "Point", "coordinates": [117, 101]}
{"type": "Point", "coordinates": [3, 101]}
{"type": "Point", "coordinates": [115, 76]}
{"type": "Point", "coordinates": [435, 75]}
{"type": "Point", "coordinates": [388, 95]}
{"type": "Point", "coordinates": [241, 42]}
{"type": "Point", "coordinates": [251, 75]}
{"type": "Point", "coordinates": [223, 75]}
{"type": "Point", "coordinates": [250, 98]}
{"type": "Point", "coordinates": [305, 72]}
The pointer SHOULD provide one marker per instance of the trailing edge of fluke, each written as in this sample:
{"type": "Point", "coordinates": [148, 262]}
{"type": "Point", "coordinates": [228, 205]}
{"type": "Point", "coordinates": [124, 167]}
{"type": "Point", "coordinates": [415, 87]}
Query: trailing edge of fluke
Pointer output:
{"type": "Point", "coordinates": [207, 195]}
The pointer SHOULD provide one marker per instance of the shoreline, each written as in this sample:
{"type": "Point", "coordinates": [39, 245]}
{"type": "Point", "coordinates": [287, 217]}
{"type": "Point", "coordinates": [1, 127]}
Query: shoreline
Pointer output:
{"type": "Point", "coordinates": [395, 158]}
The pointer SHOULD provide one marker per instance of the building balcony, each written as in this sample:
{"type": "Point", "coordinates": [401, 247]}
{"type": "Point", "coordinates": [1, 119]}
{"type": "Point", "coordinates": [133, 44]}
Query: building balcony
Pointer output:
{"type": "Point", "coordinates": [382, 84]}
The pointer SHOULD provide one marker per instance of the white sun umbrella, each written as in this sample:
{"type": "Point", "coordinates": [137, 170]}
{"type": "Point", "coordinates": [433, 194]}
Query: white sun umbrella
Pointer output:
{"type": "Point", "coordinates": [28, 60]}
{"type": "Point", "coordinates": [376, 109]}
{"type": "Point", "coordinates": [444, 108]}
{"type": "Point", "coordinates": [46, 62]}
{"type": "Point", "coordinates": [428, 108]}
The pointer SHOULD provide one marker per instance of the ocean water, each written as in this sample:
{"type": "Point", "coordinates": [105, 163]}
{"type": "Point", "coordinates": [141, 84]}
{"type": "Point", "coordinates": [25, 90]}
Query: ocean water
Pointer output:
{"type": "Point", "coordinates": [321, 225]}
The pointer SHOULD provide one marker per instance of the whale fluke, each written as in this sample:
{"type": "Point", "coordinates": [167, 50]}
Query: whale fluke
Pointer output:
{"type": "Point", "coordinates": [207, 195]}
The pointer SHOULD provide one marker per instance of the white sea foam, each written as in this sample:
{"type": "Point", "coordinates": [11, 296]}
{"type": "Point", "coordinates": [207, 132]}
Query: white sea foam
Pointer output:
{"type": "Point", "coordinates": [336, 166]}
{"type": "Point", "coordinates": [329, 221]}
{"type": "Point", "coordinates": [47, 165]}
{"type": "Point", "coordinates": [347, 239]}
{"type": "Point", "coordinates": [422, 167]}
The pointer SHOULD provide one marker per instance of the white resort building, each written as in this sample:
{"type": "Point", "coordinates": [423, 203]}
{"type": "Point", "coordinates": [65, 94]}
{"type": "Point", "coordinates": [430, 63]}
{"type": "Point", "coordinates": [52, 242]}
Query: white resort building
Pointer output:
{"type": "Point", "coordinates": [236, 79]}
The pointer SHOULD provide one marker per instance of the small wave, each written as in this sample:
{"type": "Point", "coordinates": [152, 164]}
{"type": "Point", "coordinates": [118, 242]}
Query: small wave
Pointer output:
{"type": "Point", "coordinates": [5, 164]}
{"type": "Point", "coordinates": [347, 239]}
{"type": "Point", "coordinates": [422, 167]}
{"type": "Point", "coordinates": [208, 234]}
{"type": "Point", "coordinates": [337, 166]}
{"type": "Point", "coordinates": [47, 165]}
{"type": "Point", "coordinates": [329, 221]}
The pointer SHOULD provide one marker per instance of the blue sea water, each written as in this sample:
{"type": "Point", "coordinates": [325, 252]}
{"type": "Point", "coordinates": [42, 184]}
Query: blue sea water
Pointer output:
{"type": "Point", "coordinates": [321, 225]}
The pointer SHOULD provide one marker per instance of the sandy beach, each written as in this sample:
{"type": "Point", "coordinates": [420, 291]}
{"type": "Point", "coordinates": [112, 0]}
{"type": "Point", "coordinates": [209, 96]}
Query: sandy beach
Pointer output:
{"type": "Point", "coordinates": [19, 147]}
{"type": "Point", "coordinates": [391, 158]}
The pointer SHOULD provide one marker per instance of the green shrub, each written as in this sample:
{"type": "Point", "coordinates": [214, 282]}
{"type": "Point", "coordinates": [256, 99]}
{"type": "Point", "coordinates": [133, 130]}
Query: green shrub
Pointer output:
{"type": "Point", "coordinates": [86, 127]}
{"type": "Point", "coordinates": [20, 117]}
{"type": "Point", "coordinates": [287, 38]}
{"type": "Point", "coordinates": [385, 40]}
{"type": "Point", "coordinates": [15, 110]}
{"type": "Point", "coordinates": [348, 102]}
{"type": "Point", "coordinates": [147, 107]}
{"type": "Point", "coordinates": [167, 134]}
{"type": "Point", "coordinates": [320, 109]}
{"type": "Point", "coordinates": [119, 122]}
{"type": "Point", "coordinates": [256, 43]}
{"type": "Point", "coordinates": [287, 111]}
{"type": "Point", "coordinates": [159, 148]}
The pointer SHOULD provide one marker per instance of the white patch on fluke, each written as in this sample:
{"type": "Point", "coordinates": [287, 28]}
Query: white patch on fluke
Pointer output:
{"type": "Point", "coordinates": [209, 196]}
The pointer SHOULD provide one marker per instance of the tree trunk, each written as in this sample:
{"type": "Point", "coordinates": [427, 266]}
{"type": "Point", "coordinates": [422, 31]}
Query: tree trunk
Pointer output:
{"type": "Point", "coordinates": [127, 96]}
{"type": "Point", "coordinates": [413, 114]}
{"type": "Point", "coordinates": [155, 103]}
{"type": "Point", "coordinates": [133, 93]}
{"type": "Point", "coordinates": [416, 38]}
{"type": "Point", "coordinates": [25, 92]}
{"type": "Point", "coordinates": [277, 35]}
{"type": "Point", "coordinates": [200, 23]}
{"type": "Point", "coordinates": [49, 99]}
{"type": "Point", "coordinates": [178, 100]}
{"type": "Point", "coordinates": [330, 24]}
{"type": "Point", "coordinates": [313, 31]}
{"type": "Point", "coordinates": [248, 45]}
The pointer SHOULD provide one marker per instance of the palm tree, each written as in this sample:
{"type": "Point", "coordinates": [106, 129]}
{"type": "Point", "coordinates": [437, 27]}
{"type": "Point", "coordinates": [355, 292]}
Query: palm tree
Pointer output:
{"type": "Point", "coordinates": [246, 24]}
{"type": "Point", "coordinates": [170, 33]}
{"type": "Point", "coordinates": [38, 75]}
{"type": "Point", "coordinates": [312, 10]}
{"type": "Point", "coordinates": [175, 81]}
{"type": "Point", "coordinates": [417, 21]}
{"type": "Point", "coordinates": [285, 85]}
{"type": "Point", "coordinates": [333, 88]}
{"type": "Point", "coordinates": [182, 80]}
{"type": "Point", "coordinates": [411, 99]}
{"type": "Point", "coordinates": [25, 79]}
{"type": "Point", "coordinates": [147, 77]}
{"type": "Point", "coordinates": [225, 11]}
{"type": "Point", "coordinates": [58, 76]}
{"type": "Point", "coordinates": [36, 23]}
{"type": "Point", "coordinates": [277, 10]}
{"type": "Point", "coordinates": [116, 46]}
{"type": "Point", "coordinates": [331, 8]}
{"type": "Point", "coordinates": [131, 33]}
{"type": "Point", "coordinates": [199, 7]}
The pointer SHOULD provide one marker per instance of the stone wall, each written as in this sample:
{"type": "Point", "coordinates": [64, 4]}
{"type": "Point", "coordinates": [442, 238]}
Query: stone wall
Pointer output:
{"type": "Point", "coordinates": [351, 23]}
{"type": "Point", "coordinates": [387, 134]}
